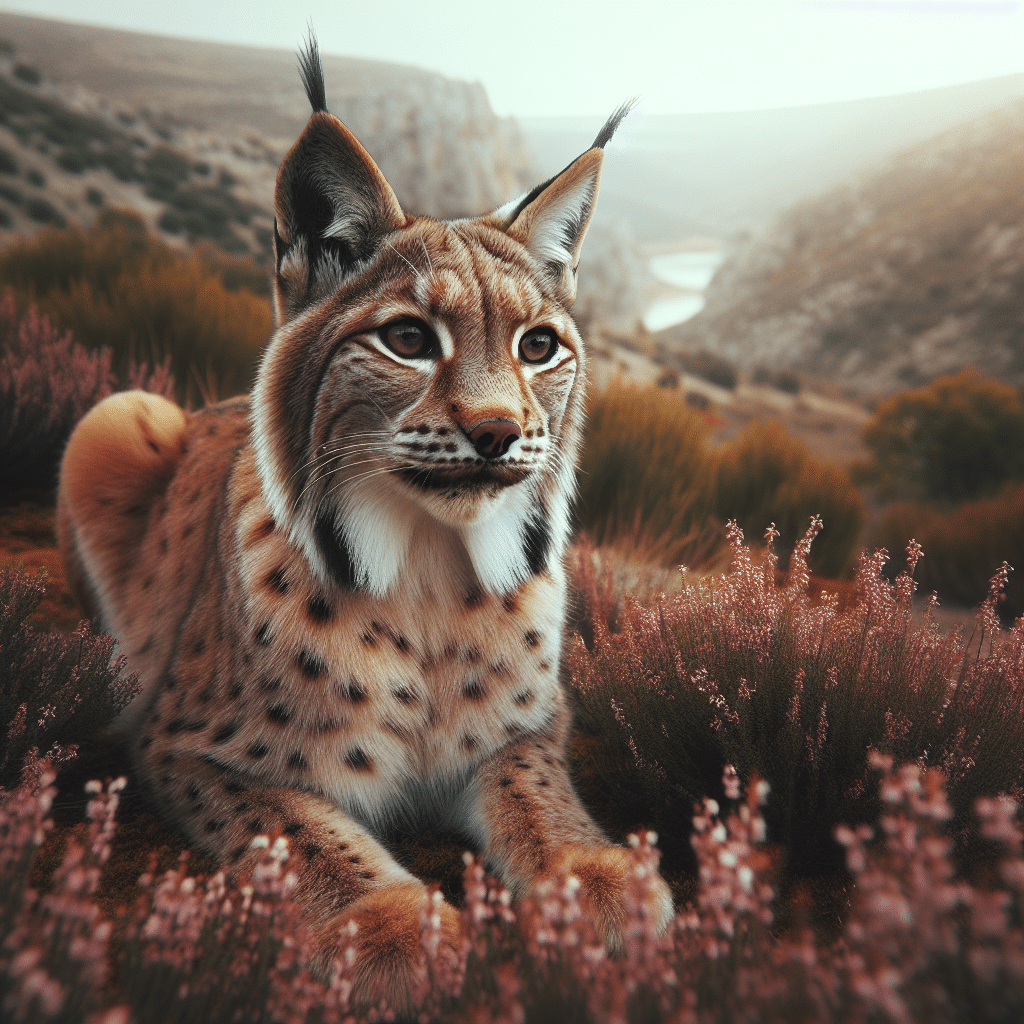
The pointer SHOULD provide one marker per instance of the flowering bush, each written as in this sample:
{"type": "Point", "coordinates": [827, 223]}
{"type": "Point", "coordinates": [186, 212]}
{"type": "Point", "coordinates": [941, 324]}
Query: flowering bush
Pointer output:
{"type": "Point", "coordinates": [55, 689]}
{"type": "Point", "coordinates": [918, 943]}
{"type": "Point", "coordinates": [736, 670]}
{"type": "Point", "coordinates": [47, 384]}
{"type": "Point", "coordinates": [759, 728]}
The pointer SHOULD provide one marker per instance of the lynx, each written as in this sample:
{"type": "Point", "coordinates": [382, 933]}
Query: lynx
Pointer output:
{"type": "Point", "coordinates": [344, 596]}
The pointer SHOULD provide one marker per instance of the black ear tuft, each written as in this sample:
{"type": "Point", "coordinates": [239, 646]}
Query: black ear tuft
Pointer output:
{"type": "Point", "coordinates": [613, 122]}
{"type": "Point", "coordinates": [312, 73]}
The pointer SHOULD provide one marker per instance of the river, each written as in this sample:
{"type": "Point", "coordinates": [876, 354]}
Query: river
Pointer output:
{"type": "Point", "coordinates": [689, 273]}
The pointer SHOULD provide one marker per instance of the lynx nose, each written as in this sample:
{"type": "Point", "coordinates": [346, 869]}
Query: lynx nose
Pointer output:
{"type": "Point", "coordinates": [493, 438]}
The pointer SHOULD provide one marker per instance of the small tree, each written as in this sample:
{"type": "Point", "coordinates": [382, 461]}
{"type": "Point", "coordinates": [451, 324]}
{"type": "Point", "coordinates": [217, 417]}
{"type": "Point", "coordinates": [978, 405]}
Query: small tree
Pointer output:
{"type": "Point", "coordinates": [958, 438]}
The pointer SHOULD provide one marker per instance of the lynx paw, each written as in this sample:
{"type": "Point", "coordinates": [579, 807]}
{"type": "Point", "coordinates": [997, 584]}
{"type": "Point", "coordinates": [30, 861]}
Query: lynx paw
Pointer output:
{"type": "Point", "coordinates": [390, 952]}
{"type": "Point", "coordinates": [604, 874]}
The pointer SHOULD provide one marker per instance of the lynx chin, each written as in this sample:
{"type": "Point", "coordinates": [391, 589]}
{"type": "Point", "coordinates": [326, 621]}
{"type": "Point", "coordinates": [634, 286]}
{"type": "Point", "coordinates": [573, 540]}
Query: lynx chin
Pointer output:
{"type": "Point", "coordinates": [344, 596]}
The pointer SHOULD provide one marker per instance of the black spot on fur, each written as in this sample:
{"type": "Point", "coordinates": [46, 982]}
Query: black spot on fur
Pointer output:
{"type": "Point", "coordinates": [405, 695]}
{"type": "Point", "coordinates": [532, 638]}
{"type": "Point", "coordinates": [353, 691]}
{"type": "Point", "coordinates": [270, 685]}
{"type": "Point", "coordinates": [235, 692]}
{"type": "Point", "coordinates": [192, 792]}
{"type": "Point", "coordinates": [473, 690]}
{"type": "Point", "coordinates": [258, 750]}
{"type": "Point", "coordinates": [320, 610]}
{"type": "Point", "coordinates": [277, 581]}
{"type": "Point", "coordinates": [510, 602]}
{"type": "Point", "coordinates": [358, 761]}
{"type": "Point", "coordinates": [178, 725]}
{"type": "Point", "coordinates": [523, 698]}
{"type": "Point", "coordinates": [334, 552]}
{"type": "Point", "coordinates": [293, 828]}
{"type": "Point", "coordinates": [297, 761]}
{"type": "Point", "coordinates": [505, 781]}
{"type": "Point", "coordinates": [311, 850]}
{"type": "Point", "coordinates": [262, 634]}
{"type": "Point", "coordinates": [310, 665]}
{"type": "Point", "coordinates": [214, 825]}
{"type": "Point", "coordinates": [474, 597]}
{"type": "Point", "coordinates": [163, 545]}
{"type": "Point", "coordinates": [224, 733]}
{"type": "Point", "coordinates": [279, 714]}
{"type": "Point", "coordinates": [234, 788]}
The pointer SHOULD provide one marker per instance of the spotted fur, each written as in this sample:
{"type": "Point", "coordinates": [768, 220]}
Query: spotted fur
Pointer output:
{"type": "Point", "coordinates": [345, 597]}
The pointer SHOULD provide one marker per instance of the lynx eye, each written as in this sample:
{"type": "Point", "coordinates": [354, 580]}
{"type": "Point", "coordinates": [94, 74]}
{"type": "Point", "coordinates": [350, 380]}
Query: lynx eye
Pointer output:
{"type": "Point", "coordinates": [538, 346]}
{"type": "Point", "coordinates": [408, 339]}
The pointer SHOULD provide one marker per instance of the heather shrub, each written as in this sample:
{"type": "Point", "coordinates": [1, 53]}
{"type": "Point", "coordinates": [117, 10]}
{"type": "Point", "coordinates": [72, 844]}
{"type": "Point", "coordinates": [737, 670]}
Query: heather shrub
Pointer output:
{"type": "Point", "coordinates": [47, 383]}
{"type": "Point", "coordinates": [115, 285]}
{"type": "Point", "coordinates": [55, 689]}
{"type": "Point", "coordinates": [742, 672]}
{"type": "Point", "coordinates": [959, 438]}
{"type": "Point", "coordinates": [919, 944]}
{"type": "Point", "coordinates": [765, 476]}
{"type": "Point", "coordinates": [964, 546]}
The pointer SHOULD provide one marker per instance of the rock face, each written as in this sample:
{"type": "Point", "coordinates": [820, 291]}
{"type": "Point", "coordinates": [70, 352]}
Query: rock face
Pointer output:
{"type": "Point", "coordinates": [910, 272]}
{"type": "Point", "coordinates": [439, 144]}
{"type": "Point", "coordinates": [218, 120]}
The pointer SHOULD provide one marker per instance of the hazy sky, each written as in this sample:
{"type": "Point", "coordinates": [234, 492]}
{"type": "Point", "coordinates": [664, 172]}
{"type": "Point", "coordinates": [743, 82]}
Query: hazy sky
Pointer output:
{"type": "Point", "coordinates": [583, 57]}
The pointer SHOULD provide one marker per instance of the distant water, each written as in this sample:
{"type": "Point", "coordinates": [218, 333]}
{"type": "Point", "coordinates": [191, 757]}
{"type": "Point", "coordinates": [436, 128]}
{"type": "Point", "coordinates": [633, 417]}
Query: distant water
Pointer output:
{"type": "Point", "coordinates": [691, 272]}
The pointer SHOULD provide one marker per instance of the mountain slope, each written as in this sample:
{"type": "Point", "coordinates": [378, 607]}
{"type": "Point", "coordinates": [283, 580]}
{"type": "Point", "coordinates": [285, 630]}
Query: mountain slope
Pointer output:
{"type": "Point", "coordinates": [912, 271]}
{"type": "Point", "coordinates": [231, 109]}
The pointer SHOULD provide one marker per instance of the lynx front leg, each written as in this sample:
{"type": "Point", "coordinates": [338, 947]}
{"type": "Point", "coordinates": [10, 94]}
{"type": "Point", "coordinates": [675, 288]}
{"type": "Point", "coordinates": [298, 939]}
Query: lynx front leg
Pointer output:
{"type": "Point", "coordinates": [344, 873]}
{"type": "Point", "coordinates": [537, 828]}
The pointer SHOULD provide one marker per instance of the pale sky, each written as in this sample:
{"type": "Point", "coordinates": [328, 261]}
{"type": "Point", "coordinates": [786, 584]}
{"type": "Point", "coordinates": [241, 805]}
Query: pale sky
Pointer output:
{"type": "Point", "coordinates": [538, 57]}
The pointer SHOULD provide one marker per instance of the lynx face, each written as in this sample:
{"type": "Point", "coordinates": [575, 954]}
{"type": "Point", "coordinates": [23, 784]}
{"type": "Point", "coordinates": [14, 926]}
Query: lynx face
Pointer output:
{"type": "Point", "coordinates": [445, 378]}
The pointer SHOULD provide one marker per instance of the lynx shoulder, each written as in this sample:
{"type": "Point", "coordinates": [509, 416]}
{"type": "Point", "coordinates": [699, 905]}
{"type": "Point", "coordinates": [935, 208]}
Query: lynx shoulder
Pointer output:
{"type": "Point", "coordinates": [345, 596]}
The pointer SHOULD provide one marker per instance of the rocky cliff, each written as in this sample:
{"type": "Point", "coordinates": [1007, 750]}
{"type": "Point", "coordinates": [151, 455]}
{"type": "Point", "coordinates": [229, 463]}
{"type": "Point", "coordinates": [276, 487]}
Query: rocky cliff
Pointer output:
{"type": "Point", "coordinates": [91, 111]}
{"type": "Point", "coordinates": [911, 271]}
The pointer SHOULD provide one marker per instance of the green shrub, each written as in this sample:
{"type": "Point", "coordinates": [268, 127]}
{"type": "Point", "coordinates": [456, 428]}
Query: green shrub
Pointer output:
{"type": "Point", "coordinates": [115, 285]}
{"type": "Point", "coordinates": [765, 477]}
{"type": "Point", "coordinates": [958, 438]}
{"type": "Point", "coordinates": [963, 547]}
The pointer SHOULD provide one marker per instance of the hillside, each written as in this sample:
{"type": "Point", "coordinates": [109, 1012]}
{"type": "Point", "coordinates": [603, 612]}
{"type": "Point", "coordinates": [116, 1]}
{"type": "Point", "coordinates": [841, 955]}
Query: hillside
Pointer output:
{"type": "Point", "coordinates": [190, 134]}
{"type": "Point", "coordinates": [914, 270]}
{"type": "Point", "coordinates": [724, 173]}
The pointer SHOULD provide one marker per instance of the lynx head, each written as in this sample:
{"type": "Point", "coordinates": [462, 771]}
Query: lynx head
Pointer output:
{"type": "Point", "coordinates": [425, 381]}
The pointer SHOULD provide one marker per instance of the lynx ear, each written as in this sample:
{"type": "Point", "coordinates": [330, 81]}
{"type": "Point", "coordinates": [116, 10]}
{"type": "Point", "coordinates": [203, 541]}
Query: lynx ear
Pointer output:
{"type": "Point", "coordinates": [552, 220]}
{"type": "Point", "coordinates": [332, 205]}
